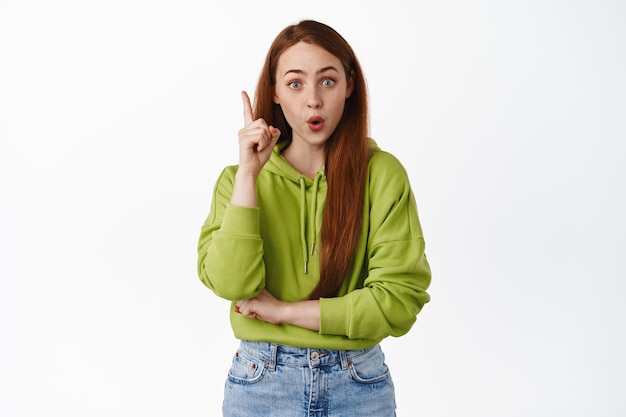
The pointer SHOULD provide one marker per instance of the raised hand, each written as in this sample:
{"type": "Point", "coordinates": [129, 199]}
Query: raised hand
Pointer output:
{"type": "Point", "coordinates": [256, 141]}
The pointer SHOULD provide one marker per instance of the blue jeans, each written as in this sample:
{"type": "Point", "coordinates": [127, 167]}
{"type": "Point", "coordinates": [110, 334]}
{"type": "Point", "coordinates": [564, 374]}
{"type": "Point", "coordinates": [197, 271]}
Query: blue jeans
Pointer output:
{"type": "Point", "coordinates": [266, 379]}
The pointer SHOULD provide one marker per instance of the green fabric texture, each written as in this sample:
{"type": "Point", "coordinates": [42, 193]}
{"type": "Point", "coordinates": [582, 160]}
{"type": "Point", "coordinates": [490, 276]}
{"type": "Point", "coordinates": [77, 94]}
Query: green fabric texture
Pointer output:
{"type": "Point", "coordinates": [276, 246]}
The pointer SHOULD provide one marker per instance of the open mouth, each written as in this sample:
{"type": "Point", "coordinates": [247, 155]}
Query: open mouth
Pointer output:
{"type": "Point", "coordinates": [316, 123]}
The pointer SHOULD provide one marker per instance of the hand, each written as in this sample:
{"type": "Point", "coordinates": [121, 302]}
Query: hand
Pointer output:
{"type": "Point", "coordinates": [267, 308]}
{"type": "Point", "coordinates": [263, 307]}
{"type": "Point", "coordinates": [256, 141]}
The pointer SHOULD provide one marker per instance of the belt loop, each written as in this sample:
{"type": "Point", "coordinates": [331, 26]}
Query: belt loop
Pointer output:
{"type": "Point", "coordinates": [343, 357]}
{"type": "Point", "coordinates": [273, 357]}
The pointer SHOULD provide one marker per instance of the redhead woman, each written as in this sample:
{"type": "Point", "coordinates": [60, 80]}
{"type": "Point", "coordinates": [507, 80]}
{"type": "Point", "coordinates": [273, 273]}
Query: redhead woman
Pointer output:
{"type": "Point", "coordinates": [315, 238]}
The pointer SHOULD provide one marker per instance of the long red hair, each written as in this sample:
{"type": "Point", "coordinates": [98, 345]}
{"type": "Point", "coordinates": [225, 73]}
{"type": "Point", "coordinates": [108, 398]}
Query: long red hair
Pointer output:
{"type": "Point", "coordinates": [347, 155]}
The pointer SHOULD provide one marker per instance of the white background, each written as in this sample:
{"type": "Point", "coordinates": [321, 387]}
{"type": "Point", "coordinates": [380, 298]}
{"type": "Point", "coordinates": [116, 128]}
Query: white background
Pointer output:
{"type": "Point", "coordinates": [116, 118]}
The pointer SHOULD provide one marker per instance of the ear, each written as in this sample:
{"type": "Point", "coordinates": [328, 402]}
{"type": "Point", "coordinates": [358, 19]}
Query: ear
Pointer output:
{"type": "Point", "coordinates": [350, 85]}
{"type": "Point", "coordinates": [275, 99]}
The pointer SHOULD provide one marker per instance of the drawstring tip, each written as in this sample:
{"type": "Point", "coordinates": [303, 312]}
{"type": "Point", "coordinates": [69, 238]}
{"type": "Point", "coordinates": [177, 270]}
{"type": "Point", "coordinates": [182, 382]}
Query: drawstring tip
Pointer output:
{"type": "Point", "coordinates": [312, 248]}
{"type": "Point", "coordinates": [306, 269]}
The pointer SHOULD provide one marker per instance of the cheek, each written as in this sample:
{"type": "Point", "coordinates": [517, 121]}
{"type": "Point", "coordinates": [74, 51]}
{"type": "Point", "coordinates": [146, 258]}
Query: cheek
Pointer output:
{"type": "Point", "coordinates": [290, 106]}
{"type": "Point", "coordinates": [289, 115]}
{"type": "Point", "coordinates": [338, 107]}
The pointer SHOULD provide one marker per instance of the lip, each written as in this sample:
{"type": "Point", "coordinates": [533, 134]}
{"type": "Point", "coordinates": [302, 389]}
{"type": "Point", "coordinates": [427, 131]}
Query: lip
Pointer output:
{"type": "Point", "coordinates": [315, 123]}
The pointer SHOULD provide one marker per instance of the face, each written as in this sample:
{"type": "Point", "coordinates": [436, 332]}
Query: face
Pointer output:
{"type": "Point", "coordinates": [311, 88]}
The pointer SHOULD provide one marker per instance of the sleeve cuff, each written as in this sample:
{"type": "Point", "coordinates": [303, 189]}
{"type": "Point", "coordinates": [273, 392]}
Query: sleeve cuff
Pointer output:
{"type": "Point", "coordinates": [243, 221]}
{"type": "Point", "coordinates": [334, 316]}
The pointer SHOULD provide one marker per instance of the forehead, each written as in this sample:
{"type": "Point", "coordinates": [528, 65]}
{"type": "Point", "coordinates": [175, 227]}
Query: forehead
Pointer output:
{"type": "Point", "coordinates": [307, 58]}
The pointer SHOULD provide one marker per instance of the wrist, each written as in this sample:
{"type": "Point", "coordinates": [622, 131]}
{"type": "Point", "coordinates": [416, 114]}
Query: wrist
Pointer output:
{"type": "Point", "coordinates": [304, 314]}
{"type": "Point", "coordinates": [285, 312]}
{"type": "Point", "coordinates": [244, 190]}
{"type": "Point", "coordinates": [243, 175]}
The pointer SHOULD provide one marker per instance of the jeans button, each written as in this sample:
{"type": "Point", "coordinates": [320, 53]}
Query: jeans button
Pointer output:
{"type": "Point", "coordinates": [315, 356]}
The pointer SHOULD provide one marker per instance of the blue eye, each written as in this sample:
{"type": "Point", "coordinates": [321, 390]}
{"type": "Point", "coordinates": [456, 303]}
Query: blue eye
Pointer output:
{"type": "Point", "coordinates": [295, 85]}
{"type": "Point", "coordinates": [328, 82]}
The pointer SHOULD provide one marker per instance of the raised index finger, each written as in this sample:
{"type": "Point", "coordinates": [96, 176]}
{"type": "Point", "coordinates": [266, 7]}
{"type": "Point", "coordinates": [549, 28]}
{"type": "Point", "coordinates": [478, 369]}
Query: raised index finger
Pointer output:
{"type": "Point", "coordinates": [247, 109]}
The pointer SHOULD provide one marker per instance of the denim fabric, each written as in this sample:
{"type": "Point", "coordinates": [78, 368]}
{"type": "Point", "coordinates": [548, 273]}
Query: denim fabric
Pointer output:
{"type": "Point", "coordinates": [284, 381]}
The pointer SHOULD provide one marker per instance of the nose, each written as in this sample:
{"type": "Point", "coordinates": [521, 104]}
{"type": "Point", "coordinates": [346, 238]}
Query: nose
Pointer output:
{"type": "Point", "coordinates": [314, 100]}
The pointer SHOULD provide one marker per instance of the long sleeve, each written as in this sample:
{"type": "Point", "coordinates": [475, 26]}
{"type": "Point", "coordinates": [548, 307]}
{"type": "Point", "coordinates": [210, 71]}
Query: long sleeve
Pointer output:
{"type": "Point", "coordinates": [397, 274]}
{"type": "Point", "coordinates": [230, 248]}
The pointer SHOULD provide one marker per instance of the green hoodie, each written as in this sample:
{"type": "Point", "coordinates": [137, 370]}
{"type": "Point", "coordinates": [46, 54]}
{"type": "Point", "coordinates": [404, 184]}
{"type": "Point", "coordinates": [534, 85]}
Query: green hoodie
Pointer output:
{"type": "Point", "coordinates": [243, 250]}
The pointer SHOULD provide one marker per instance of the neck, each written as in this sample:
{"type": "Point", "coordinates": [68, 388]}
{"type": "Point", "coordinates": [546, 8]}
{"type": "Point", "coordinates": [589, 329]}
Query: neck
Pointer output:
{"type": "Point", "coordinates": [306, 161]}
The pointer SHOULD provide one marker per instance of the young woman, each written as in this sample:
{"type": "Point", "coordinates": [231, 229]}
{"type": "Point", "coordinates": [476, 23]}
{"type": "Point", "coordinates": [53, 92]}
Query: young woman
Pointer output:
{"type": "Point", "coordinates": [315, 239]}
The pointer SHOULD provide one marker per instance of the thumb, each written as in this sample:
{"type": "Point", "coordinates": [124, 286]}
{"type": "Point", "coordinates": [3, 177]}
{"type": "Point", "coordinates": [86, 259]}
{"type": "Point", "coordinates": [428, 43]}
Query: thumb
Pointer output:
{"type": "Point", "coordinates": [275, 134]}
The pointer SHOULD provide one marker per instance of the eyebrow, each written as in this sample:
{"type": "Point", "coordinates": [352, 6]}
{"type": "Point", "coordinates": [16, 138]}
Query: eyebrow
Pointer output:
{"type": "Point", "coordinates": [320, 71]}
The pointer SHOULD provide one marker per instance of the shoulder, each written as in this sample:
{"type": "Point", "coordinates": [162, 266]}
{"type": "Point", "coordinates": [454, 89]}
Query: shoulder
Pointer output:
{"type": "Point", "coordinates": [385, 167]}
{"type": "Point", "coordinates": [390, 200]}
{"type": "Point", "coordinates": [226, 180]}
{"type": "Point", "coordinates": [228, 174]}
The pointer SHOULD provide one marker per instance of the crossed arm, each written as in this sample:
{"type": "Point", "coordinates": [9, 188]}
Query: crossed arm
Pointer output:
{"type": "Point", "coordinates": [267, 308]}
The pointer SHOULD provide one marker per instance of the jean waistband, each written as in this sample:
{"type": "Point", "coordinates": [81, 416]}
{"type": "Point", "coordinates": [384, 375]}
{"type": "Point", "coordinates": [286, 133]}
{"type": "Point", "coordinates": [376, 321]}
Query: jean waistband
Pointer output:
{"type": "Point", "coordinates": [275, 354]}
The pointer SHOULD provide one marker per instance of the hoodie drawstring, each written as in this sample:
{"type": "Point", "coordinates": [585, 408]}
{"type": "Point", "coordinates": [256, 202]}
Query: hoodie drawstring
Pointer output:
{"type": "Point", "coordinates": [313, 213]}
{"type": "Point", "coordinates": [312, 223]}
{"type": "Point", "coordinates": [305, 253]}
